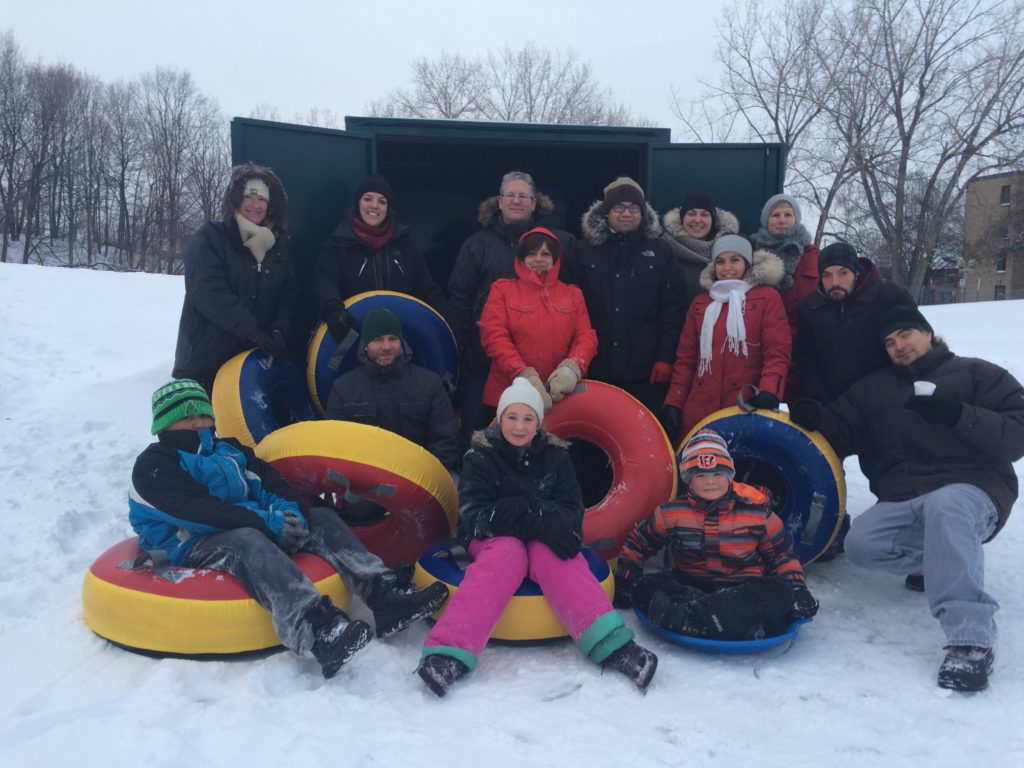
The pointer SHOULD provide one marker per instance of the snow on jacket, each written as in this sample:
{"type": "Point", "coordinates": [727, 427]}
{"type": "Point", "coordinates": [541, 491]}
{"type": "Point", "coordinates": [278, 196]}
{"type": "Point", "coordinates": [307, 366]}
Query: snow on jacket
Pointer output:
{"type": "Point", "coordinates": [190, 484]}
{"type": "Point", "coordinates": [402, 398]}
{"type": "Point", "coordinates": [541, 471]}
{"type": "Point", "coordinates": [693, 253]}
{"type": "Point", "coordinates": [229, 295]}
{"type": "Point", "coordinates": [484, 257]}
{"type": "Point", "coordinates": [769, 346]}
{"type": "Point", "coordinates": [533, 322]}
{"type": "Point", "coordinates": [720, 541]}
{"type": "Point", "coordinates": [347, 265]}
{"type": "Point", "coordinates": [633, 285]}
{"type": "Point", "coordinates": [915, 456]}
{"type": "Point", "coordinates": [837, 342]}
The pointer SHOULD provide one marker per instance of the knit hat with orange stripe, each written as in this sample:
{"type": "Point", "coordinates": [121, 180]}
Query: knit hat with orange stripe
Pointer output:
{"type": "Point", "coordinates": [705, 453]}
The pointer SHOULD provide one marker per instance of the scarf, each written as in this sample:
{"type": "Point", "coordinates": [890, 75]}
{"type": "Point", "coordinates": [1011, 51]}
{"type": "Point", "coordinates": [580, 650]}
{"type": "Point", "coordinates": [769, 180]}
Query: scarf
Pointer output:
{"type": "Point", "coordinates": [257, 239]}
{"type": "Point", "coordinates": [375, 237]}
{"type": "Point", "coordinates": [788, 245]}
{"type": "Point", "coordinates": [733, 293]}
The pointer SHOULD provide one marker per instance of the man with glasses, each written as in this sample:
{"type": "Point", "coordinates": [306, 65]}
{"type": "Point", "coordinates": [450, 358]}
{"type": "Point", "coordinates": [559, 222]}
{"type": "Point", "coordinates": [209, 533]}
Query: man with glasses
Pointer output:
{"type": "Point", "coordinates": [635, 291]}
{"type": "Point", "coordinates": [486, 256]}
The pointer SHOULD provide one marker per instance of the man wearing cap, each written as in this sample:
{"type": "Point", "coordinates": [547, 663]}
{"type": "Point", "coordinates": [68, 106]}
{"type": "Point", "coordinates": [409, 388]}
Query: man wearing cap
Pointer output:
{"type": "Point", "coordinates": [202, 502]}
{"type": "Point", "coordinates": [946, 431]}
{"type": "Point", "coordinates": [388, 391]}
{"type": "Point", "coordinates": [634, 287]}
{"type": "Point", "coordinates": [486, 256]}
{"type": "Point", "coordinates": [240, 288]}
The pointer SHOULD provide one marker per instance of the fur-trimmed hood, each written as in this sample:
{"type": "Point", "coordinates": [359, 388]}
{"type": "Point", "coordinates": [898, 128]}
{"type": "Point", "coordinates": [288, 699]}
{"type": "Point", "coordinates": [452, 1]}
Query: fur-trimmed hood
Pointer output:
{"type": "Point", "coordinates": [728, 224]}
{"type": "Point", "coordinates": [595, 227]}
{"type": "Point", "coordinates": [489, 209]}
{"type": "Point", "coordinates": [491, 438]}
{"type": "Point", "coordinates": [277, 208]}
{"type": "Point", "coordinates": [766, 269]}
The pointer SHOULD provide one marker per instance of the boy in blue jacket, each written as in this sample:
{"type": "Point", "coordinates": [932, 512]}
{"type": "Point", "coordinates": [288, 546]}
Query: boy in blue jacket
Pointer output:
{"type": "Point", "coordinates": [201, 502]}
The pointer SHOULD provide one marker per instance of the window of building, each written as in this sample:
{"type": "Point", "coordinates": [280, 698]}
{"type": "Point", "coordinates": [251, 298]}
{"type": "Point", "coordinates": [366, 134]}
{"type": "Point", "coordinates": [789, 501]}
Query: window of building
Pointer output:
{"type": "Point", "coordinates": [1000, 293]}
{"type": "Point", "coordinates": [1001, 262]}
{"type": "Point", "coordinates": [1004, 194]}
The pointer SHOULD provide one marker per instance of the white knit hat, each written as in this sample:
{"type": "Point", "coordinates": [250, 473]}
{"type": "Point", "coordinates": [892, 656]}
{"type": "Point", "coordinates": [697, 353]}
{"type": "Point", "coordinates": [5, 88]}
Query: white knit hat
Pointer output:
{"type": "Point", "coordinates": [256, 188]}
{"type": "Point", "coordinates": [521, 391]}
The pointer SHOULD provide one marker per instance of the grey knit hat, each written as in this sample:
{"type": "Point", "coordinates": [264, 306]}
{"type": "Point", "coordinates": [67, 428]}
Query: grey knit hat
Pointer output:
{"type": "Point", "coordinates": [733, 244]}
{"type": "Point", "coordinates": [774, 200]}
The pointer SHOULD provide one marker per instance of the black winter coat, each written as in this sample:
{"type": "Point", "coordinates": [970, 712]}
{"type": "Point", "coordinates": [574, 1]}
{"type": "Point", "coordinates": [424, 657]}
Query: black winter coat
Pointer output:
{"type": "Point", "coordinates": [402, 398]}
{"type": "Point", "coordinates": [484, 257]}
{"type": "Point", "coordinates": [347, 266]}
{"type": "Point", "coordinates": [493, 469]}
{"type": "Point", "coordinates": [837, 342]}
{"type": "Point", "coordinates": [634, 287]}
{"type": "Point", "coordinates": [228, 297]}
{"type": "Point", "coordinates": [915, 456]}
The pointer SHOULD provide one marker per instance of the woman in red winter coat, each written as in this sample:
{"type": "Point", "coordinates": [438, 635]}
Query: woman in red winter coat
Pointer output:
{"type": "Point", "coordinates": [735, 335]}
{"type": "Point", "coordinates": [536, 326]}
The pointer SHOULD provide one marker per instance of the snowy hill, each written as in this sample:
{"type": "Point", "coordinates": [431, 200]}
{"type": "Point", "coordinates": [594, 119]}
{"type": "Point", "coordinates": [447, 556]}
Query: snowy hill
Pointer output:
{"type": "Point", "coordinates": [83, 351]}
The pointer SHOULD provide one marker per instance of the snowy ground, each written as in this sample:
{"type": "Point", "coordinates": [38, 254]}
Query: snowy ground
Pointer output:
{"type": "Point", "coordinates": [82, 351]}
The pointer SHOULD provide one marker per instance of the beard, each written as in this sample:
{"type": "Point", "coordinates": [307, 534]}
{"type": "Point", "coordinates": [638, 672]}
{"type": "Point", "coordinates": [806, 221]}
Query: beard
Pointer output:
{"type": "Point", "coordinates": [838, 294]}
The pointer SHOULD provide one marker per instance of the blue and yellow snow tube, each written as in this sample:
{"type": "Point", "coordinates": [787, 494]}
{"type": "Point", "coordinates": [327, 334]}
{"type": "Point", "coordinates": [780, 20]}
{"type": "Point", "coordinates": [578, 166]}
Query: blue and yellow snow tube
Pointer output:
{"type": "Point", "coordinates": [799, 467]}
{"type": "Point", "coordinates": [426, 332]}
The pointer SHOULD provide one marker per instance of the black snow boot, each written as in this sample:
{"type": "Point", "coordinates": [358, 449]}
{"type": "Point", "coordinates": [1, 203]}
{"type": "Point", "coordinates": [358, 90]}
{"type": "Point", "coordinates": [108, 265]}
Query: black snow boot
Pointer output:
{"type": "Point", "coordinates": [336, 638]}
{"type": "Point", "coordinates": [685, 612]}
{"type": "Point", "coordinates": [635, 662]}
{"type": "Point", "coordinates": [966, 668]}
{"type": "Point", "coordinates": [440, 672]}
{"type": "Point", "coordinates": [396, 606]}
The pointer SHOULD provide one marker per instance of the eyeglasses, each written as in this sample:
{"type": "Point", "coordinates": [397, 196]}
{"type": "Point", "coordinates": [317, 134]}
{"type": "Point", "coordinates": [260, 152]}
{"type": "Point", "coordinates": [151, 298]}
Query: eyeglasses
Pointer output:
{"type": "Point", "coordinates": [626, 207]}
{"type": "Point", "coordinates": [517, 196]}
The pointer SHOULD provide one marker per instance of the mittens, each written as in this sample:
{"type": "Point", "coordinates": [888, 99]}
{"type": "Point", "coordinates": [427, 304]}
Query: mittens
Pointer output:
{"type": "Point", "coordinates": [672, 418]}
{"type": "Point", "coordinates": [294, 535]}
{"type": "Point", "coordinates": [937, 408]}
{"type": "Point", "coordinates": [561, 537]}
{"type": "Point", "coordinates": [807, 413]}
{"type": "Point", "coordinates": [531, 375]}
{"type": "Point", "coordinates": [563, 379]}
{"type": "Point", "coordinates": [661, 373]}
{"type": "Point", "coordinates": [765, 400]}
{"type": "Point", "coordinates": [271, 344]}
{"type": "Point", "coordinates": [804, 604]}
{"type": "Point", "coordinates": [339, 322]}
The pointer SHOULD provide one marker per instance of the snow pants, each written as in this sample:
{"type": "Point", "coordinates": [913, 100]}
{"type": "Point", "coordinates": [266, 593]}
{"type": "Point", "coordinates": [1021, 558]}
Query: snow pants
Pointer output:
{"type": "Point", "coordinates": [499, 566]}
{"type": "Point", "coordinates": [277, 584]}
{"type": "Point", "coordinates": [940, 535]}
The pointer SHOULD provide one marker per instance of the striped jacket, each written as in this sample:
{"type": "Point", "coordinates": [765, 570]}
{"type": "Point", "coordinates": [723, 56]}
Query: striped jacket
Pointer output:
{"type": "Point", "coordinates": [721, 541]}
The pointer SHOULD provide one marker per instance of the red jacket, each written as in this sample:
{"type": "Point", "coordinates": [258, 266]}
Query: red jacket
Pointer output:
{"type": "Point", "coordinates": [531, 322]}
{"type": "Point", "coordinates": [805, 282]}
{"type": "Point", "coordinates": [769, 347]}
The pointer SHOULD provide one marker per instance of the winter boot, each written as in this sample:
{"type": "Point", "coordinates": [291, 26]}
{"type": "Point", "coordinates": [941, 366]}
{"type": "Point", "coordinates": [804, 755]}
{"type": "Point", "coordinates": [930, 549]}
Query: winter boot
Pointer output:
{"type": "Point", "coordinates": [395, 606]}
{"type": "Point", "coordinates": [684, 612]}
{"type": "Point", "coordinates": [439, 672]}
{"type": "Point", "coordinates": [966, 668]}
{"type": "Point", "coordinates": [915, 582]}
{"type": "Point", "coordinates": [336, 639]}
{"type": "Point", "coordinates": [635, 662]}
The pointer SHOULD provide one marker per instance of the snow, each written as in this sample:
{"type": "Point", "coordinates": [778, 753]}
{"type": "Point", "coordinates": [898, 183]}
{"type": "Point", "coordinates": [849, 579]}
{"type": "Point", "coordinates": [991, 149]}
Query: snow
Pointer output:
{"type": "Point", "coordinates": [82, 353]}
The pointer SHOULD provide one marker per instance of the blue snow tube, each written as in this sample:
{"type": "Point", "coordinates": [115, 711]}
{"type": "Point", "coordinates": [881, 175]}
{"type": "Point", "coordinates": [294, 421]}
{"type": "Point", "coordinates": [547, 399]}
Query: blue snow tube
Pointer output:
{"type": "Point", "coordinates": [731, 647]}
{"type": "Point", "coordinates": [426, 332]}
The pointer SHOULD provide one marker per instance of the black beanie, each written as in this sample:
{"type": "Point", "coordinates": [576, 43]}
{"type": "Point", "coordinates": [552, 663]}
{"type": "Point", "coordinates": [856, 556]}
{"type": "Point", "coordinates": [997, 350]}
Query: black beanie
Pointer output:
{"type": "Point", "coordinates": [900, 317]}
{"type": "Point", "coordinates": [379, 322]}
{"type": "Point", "coordinates": [373, 182]}
{"type": "Point", "coordinates": [703, 202]}
{"type": "Point", "coordinates": [839, 255]}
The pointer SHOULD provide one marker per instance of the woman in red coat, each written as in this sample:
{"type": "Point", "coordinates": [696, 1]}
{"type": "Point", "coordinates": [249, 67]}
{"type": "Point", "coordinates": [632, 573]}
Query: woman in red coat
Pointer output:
{"type": "Point", "coordinates": [536, 326]}
{"type": "Point", "coordinates": [734, 335]}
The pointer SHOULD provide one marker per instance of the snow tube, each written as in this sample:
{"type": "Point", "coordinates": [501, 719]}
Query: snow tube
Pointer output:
{"type": "Point", "coordinates": [732, 647]}
{"type": "Point", "coordinates": [201, 612]}
{"type": "Point", "coordinates": [409, 482]}
{"type": "Point", "coordinates": [427, 334]}
{"type": "Point", "coordinates": [644, 473]}
{"type": "Point", "coordinates": [527, 617]}
{"type": "Point", "coordinates": [799, 467]}
{"type": "Point", "coordinates": [252, 397]}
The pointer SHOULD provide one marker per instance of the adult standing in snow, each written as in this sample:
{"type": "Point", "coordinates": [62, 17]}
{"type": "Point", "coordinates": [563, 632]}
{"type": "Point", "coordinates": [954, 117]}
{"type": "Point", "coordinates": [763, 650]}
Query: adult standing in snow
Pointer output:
{"type": "Point", "coordinates": [946, 431]}
{"type": "Point", "coordinates": [203, 502]}
{"type": "Point", "coordinates": [370, 251]}
{"type": "Point", "coordinates": [691, 229]}
{"type": "Point", "coordinates": [240, 286]}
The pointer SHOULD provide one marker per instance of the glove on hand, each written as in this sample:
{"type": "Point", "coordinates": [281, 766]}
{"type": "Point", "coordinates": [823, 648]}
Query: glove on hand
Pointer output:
{"type": "Point", "coordinates": [765, 400]}
{"type": "Point", "coordinates": [627, 576]}
{"type": "Point", "coordinates": [271, 344]}
{"type": "Point", "coordinates": [937, 408]}
{"type": "Point", "coordinates": [531, 375]}
{"type": "Point", "coordinates": [672, 417]}
{"type": "Point", "coordinates": [661, 373]}
{"type": "Point", "coordinates": [563, 379]}
{"type": "Point", "coordinates": [804, 604]}
{"type": "Point", "coordinates": [339, 323]}
{"type": "Point", "coordinates": [507, 516]}
{"type": "Point", "coordinates": [560, 535]}
{"type": "Point", "coordinates": [294, 535]}
{"type": "Point", "coordinates": [807, 413]}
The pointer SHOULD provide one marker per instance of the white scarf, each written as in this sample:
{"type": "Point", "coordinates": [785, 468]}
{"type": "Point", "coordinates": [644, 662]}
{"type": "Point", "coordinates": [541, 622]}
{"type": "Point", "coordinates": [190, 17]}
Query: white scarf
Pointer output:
{"type": "Point", "coordinates": [733, 293]}
{"type": "Point", "coordinates": [257, 239]}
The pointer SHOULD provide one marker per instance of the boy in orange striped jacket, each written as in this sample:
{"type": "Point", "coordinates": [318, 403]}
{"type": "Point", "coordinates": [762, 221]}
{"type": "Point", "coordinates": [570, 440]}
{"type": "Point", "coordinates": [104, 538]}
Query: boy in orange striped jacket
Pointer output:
{"type": "Point", "coordinates": [736, 576]}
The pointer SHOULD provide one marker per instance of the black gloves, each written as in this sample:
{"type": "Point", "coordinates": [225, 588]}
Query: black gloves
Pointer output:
{"type": "Point", "coordinates": [807, 414]}
{"type": "Point", "coordinates": [506, 518]}
{"type": "Point", "coordinates": [672, 418]}
{"type": "Point", "coordinates": [559, 533]}
{"type": "Point", "coordinates": [765, 400]}
{"type": "Point", "coordinates": [804, 604]}
{"type": "Point", "coordinates": [272, 344]}
{"type": "Point", "coordinates": [627, 576]}
{"type": "Point", "coordinates": [937, 408]}
{"type": "Point", "coordinates": [339, 322]}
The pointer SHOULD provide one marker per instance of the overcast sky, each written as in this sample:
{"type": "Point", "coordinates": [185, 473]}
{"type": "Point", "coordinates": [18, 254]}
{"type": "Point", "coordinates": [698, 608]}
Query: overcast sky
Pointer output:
{"type": "Point", "coordinates": [340, 55]}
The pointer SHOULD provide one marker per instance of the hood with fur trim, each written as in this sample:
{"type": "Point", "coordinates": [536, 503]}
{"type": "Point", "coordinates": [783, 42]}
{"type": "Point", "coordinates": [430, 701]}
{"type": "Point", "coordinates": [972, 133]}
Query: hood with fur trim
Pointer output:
{"type": "Point", "coordinates": [489, 209]}
{"type": "Point", "coordinates": [595, 227]}
{"type": "Point", "coordinates": [487, 438]}
{"type": "Point", "coordinates": [277, 208]}
{"type": "Point", "coordinates": [766, 269]}
{"type": "Point", "coordinates": [728, 224]}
